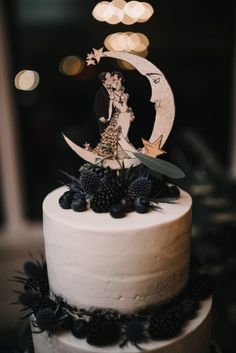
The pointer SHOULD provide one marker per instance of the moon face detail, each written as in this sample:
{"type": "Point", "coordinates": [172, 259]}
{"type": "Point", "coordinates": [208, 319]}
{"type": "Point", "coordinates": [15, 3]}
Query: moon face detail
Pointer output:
{"type": "Point", "coordinates": [162, 98]}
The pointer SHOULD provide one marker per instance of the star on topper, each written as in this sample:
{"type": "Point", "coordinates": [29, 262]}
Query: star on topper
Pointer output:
{"type": "Point", "coordinates": [96, 54]}
{"type": "Point", "coordinates": [153, 149]}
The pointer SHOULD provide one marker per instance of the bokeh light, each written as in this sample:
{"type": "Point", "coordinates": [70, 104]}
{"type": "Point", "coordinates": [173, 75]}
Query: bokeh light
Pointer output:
{"type": "Point", "coordinates": [147, 14]}
{"type": "Point", "coordinates": [121, 11]}
{"type": "Point", "coordinates": [71, 65]}
{"type": "Point", "coordinates": [127, 41]}
{"type": "Point", "coordinates": [27, 80]}
{"type": "Point", "coordinates": [134, 9]}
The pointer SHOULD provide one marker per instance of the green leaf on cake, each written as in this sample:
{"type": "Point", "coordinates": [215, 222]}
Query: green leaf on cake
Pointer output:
{"type": "Point", "coordinates": [161, 166]}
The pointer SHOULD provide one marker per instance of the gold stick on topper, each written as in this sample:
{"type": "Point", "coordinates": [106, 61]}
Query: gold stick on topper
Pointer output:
{"type": "Point", "coordinates": [114, 149]}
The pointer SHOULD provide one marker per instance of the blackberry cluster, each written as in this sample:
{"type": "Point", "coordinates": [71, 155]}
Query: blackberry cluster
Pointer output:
{"type": "Point", "coordinates": [164, 325]}
{"type": "Point", "coordinates": [141, 187]}
{"type": "Point", "coordinates": [103, 332]}
{"type": "Point", "coordinates": [105, 327]}
{"type": "Point", "coordinates": [89, 181]}
{"type": "Point", "coordinates": [110, 193]}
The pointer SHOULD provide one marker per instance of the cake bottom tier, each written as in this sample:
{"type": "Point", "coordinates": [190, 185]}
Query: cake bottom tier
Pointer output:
{"type": "Point", "coordinates": [195, 338]}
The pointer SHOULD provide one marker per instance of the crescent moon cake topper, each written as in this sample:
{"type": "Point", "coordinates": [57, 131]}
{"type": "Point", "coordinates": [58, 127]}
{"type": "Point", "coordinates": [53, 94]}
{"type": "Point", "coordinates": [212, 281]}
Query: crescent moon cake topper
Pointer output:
{"type": "Point", "coordinates": [114, 149]}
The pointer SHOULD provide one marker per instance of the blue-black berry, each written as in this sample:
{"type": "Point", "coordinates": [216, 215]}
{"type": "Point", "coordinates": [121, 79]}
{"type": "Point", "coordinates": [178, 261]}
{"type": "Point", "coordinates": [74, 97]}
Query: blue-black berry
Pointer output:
{"type": "Point", "coordinates": [127, 204]}
{"type": "Point", "coordinates": [79, 205]}
{"type": "Point", "coordinates": [77, 195]}
{"type": "Point", "coordinates": [75, 187]}
{"type": "Point", "coordinates": [141, 205]}
{"type": "Point", "coordinates": [79, 328]}
{"type": "Point", "coordinates": [111, 192]}
{"type": "Point", "coordinates": [65, 200]}
{"type": "Point", "coordinates": [117, 211]}
{"type": "Point", "coordinates": [173, 192]}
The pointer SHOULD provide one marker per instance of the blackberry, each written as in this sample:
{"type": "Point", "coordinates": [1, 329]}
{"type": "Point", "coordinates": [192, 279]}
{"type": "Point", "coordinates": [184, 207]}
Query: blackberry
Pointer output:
{"type": "Point", "coordinates": [140, 187]}
{"type": "Point", "coordinates": [164, 325]}
{"type": "Point", "coordinates": [90, 181]}
{"type": "Point", "coordinates": [46, 319]}
{"type": "Point", "coordinates": [111, 192]}
{"type": "Point", "coordinates": [103, 332]}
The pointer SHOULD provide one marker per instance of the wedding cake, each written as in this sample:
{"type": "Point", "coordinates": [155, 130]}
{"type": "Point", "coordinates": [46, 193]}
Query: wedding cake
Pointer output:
{"type": "Point", "coordinates": [117, 237]}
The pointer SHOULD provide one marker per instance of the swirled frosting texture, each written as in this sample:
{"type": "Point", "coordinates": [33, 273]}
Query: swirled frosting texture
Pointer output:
{"type": "Point", "coordinates": [125, 264]}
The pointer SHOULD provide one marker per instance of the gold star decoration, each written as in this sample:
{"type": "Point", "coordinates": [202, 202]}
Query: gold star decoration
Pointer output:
{"type": "Point", "coordinates": [90, 56]}
{"type": "Point", "coordinates": [153, 149]}
{"type": "Point", "coordinates": [98, 54]}
{"type": "Point", "coordinates": [90, 62]}
{"type": "Point", "coordinates": [95, 56]}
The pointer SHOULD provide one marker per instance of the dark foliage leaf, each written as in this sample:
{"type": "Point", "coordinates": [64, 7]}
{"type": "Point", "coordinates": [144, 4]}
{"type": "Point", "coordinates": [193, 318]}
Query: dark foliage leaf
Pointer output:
{"type": "Point", "coordinates": [160, 166]}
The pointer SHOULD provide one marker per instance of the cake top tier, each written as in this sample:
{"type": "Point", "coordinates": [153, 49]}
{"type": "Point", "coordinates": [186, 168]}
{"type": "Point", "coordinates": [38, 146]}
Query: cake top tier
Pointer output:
{"type": "Point", "coordinates": [169, 212]}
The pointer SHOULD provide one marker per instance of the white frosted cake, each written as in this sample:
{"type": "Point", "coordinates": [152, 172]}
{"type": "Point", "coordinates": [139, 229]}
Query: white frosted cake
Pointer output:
{"type": "Point", "coordinates": [122, 264]}
{"type": "Point", "coordinates": [94, 260]}
{"type": "Point", "coordinates": [117, 237]}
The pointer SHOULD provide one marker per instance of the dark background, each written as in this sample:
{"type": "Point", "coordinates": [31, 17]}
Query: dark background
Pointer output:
{"type": "Point", "coordinates": [192, 43]}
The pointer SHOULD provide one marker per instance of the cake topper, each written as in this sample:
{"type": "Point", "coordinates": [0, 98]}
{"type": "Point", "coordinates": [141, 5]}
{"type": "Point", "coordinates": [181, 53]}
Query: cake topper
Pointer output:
{"type": "Point", "coordinates": [114, 149]}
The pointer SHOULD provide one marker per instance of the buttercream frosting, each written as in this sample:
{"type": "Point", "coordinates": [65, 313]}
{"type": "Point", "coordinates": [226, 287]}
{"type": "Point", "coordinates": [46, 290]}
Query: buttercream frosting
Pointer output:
{"type": "Point", "coordinates": [125, 264]}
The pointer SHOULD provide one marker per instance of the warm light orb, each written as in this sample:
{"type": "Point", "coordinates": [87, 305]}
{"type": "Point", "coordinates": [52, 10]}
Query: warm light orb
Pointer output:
{"type": "Point", "coordinates": [143, 42]}
{"type": "Point", "coordinates": [119, 42]}
{"type": "Point", "coordinates": [134, 9]}
{"type": "Point", "coordinates": [99, 9]}
{"type": "Point", "coordinates": [113, 15]}
{"type": "Point", "coordinates": [127, 20]}
{"type": "Point", "coordinates": [119, 4]}
{"type": "Point", "coordinates": [128, 41]}
{"type": "Point", "coordinates": [71, 65]}
{"type": "Point", "coordinates": [118, 11]}
{"type": "Point", "coordinates": [107, 43]}
{"type": "Point", "coordinates": [27, 80]}
{"type": "Point", "coordinates": [147, 14]}
{"type": "Point", "coordinates": [125, 65]}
